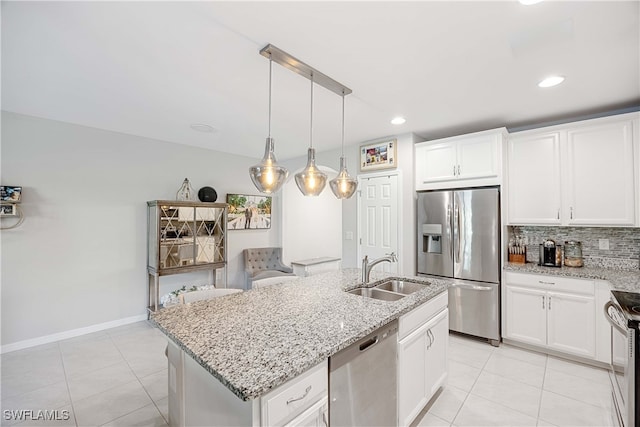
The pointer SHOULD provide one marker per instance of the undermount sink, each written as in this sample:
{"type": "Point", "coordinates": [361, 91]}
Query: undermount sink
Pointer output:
{"type": "Point", "coordinates": [376, 294]}
{"type": "Point", "coordinates": [391, 290]}
{"type": "Point", "coordinates": [401, 286]}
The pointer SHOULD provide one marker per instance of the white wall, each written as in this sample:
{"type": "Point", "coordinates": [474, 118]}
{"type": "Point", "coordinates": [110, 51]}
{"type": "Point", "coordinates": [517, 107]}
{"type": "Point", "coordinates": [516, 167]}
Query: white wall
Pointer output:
{"type": "Point", "coordinates": [79, 259]}
{"type": "Point", "coordinates": [312, 226]}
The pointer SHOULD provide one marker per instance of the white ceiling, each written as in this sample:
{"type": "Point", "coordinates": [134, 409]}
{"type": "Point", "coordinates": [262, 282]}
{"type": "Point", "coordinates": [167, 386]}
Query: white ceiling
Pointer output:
{"type": "Point", "coordinates": [154, 68]}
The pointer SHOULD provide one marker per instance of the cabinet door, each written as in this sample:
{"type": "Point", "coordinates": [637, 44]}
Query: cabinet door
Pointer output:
{"type": "Point", "coordinates": [571, 323]}
{"type": "Point", "coordinates": [477, 157]}
{"type": "Point", "coordinates": [435, 162]}
{"type": "Point", "coordinates": [315, 416]}
{"type": "Point", "coordinates": [526, 315]}
{"type": "Point", "coordinates": [600, 179]}
{"type": "Point", "coordinates": [412, 368]}
{"type": "Point", "coordinates": [533, 179]}
{"type": "Point", "coordinates": [436, 356]}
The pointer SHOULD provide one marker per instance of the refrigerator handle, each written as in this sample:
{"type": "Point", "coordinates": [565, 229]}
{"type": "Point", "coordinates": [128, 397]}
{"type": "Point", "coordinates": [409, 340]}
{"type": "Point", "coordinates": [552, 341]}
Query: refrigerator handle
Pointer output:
{"type": "Point", "coordinates": [457, 232]}
{"type": "Point", "coordinates": [450, 228]}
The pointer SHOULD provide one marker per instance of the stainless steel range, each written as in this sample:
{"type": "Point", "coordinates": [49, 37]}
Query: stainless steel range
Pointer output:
{"type": "Point", "coordinates": [623, 312]}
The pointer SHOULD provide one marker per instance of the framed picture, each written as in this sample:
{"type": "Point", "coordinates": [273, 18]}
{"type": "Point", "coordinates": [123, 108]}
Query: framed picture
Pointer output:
{"type": "Point", "coordinates": [8, 210]}
{"type": "Point", "coordinates": [248, 212]}
{"type": "Point", "coordinates": [10, 193]}
{"type": "Point", "coordinates": [378, 155]}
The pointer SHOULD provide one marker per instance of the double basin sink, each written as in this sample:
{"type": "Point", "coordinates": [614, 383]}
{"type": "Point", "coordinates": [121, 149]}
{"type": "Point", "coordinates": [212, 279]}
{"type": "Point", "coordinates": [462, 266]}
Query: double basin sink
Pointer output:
{"type": "Point", "coordinates": [391, 290]}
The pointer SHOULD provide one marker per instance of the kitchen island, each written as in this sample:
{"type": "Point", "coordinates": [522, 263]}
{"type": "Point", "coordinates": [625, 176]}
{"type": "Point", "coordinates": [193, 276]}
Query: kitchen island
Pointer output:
{"type": "Point", "coordinates": [255, 341]}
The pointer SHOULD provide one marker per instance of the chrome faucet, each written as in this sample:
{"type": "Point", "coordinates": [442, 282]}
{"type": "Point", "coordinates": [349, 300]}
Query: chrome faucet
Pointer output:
{"type": "Point", "coordinates": [367, 266]}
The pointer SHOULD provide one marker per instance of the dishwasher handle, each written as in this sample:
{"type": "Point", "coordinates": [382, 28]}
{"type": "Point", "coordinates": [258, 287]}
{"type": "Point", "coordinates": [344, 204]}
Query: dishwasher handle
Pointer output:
{"type": "Point", "coordinates": [369, 343]}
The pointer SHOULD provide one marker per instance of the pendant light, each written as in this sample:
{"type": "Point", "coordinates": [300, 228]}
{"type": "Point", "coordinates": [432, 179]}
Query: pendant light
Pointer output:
{"type": "Point", "coordinates": [311, 180]}
{"type": "Point", "coordinates": [343, 185]}
{"type": "Point", "coordinates": [268, 176]}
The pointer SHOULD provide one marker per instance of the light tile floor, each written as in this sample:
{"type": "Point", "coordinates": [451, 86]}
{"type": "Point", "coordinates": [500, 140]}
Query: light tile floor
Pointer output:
{"type": "Point", "coordinates": [508, 386]}
{"type": "Point", "coordinates": [118, 377]}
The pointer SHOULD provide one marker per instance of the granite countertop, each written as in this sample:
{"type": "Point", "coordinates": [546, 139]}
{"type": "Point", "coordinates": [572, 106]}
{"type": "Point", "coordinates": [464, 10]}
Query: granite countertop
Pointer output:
{"type": "Point", "coordinates": [257, 340]}
{"type": "Point", "coordinates": [621, 280]}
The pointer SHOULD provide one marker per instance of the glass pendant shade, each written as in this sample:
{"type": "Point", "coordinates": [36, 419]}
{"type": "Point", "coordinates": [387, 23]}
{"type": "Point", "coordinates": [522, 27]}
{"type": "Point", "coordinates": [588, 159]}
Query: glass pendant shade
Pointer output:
{"type": "Point", "coordinates": [343, 186]}
{"type": "Point", "coordinates": [311, 180]}
{"type": "Point", "coordinates": [268, 176]}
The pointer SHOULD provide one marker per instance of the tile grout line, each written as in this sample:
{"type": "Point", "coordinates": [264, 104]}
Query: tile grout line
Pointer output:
{"type": "Point", "coordinates": [66, 381]}
{"type": "Point", "coordinates": [139, 381]}
{"type": "Point", "coordinates": [546, 363]}
{"type": "Point", "coordinates": [473, 385]}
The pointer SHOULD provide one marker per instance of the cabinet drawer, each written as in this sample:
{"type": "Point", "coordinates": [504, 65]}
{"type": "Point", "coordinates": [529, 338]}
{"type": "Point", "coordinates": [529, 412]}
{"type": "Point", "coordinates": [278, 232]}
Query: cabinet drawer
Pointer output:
{"type": "Point", "coordinates": [418, 316]}
{"type": "Point", "coordinates": [294, 397]}
{"type": "Point", "coordinates": [554, 283]}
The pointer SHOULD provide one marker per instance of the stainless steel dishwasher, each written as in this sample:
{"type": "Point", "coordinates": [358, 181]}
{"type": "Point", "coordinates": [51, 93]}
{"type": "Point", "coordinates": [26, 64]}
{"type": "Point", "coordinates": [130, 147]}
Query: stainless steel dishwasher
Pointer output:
{"type": "Point", "coordinates": [363, 381]}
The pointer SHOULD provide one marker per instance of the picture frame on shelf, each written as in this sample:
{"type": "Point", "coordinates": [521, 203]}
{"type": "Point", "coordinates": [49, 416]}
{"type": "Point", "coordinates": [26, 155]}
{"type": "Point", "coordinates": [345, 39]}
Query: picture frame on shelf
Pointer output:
{"type": "Point", "coordinates": [248, 212]}
{"type": "Point", "coordinates": [379, 155]}
{"type": "Point", "coordinates": [10, 193]}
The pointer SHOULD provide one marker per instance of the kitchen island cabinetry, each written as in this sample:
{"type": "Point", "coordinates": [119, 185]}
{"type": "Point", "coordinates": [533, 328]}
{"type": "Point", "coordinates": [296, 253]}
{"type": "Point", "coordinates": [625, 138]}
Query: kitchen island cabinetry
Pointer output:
{"type": "Point", "coordinates": [422, 357]}
{"type": "Point", "coordinates": [577, 174]}
{"type": "Point", "coordinates": [234, 360]}
{"type": "Point", "coordinates": [460, 161]}
{"type": "Point", "coordinates": [553, 312]}
{"type": "Point", "coordinates": [196, 399]}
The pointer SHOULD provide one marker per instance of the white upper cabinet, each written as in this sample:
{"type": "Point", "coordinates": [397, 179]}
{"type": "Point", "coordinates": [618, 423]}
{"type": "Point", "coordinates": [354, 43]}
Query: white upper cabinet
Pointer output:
{"type": "Point", "coordinates": [577, 174]}
{"type": "Point", "coordinates": [600, 174]}
{"type": "Point", "coordinates": [533, 177]}
{"type": "Point", "coordinates": [460, 161]}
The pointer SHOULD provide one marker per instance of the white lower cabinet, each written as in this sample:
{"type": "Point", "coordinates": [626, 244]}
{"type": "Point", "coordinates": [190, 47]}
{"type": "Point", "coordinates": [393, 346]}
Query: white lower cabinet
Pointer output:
{"type": "Point", "coordinates": [422, 357]}
{"type": "Point", "coordinates": [196, 398]}
{"type": "Point", "coordinates": [557, 313]}
{"type": "Point", "coordinates": [316, 416]}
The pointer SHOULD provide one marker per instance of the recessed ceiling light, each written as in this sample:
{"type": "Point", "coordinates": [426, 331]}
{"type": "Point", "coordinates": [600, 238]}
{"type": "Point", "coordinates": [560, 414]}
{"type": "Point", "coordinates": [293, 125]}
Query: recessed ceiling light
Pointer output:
{"type": "Point", "coordinates": [529, 2]}
{"type": "Point", "coordinates": [398, 120]}
{"type": "Point", "coordinates": [199, 127]}
{"type": "Point", "coordinates": [551, 81]}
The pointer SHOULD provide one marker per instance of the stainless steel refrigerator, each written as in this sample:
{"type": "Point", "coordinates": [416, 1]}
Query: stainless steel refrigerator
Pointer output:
{"type": "Point", "coordinates": [459, 238]}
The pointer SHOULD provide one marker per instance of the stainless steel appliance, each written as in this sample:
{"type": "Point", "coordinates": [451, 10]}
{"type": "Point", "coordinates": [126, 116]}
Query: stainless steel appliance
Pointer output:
{"type": "Point", "coordinates": [363, 381]}
{"type": "Point", "coordinates": [459, 238]}
{"type": "Point", "coordinates": [623, 312]}
{"type": "Point", "coordinates": [550, 254]}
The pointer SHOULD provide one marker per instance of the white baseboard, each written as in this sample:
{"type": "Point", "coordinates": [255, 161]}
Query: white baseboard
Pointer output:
{"type": "Point", "coordinates": [70, 334]}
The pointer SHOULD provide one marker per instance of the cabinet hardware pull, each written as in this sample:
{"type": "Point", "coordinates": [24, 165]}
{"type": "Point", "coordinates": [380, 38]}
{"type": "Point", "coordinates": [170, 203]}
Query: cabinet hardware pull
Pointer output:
{"type": "Point", "coordinates": [543, 302]}
{"type": "Point", "coordinates": [454, 170]}
{"type": "Point", "coordinates": [306, 392]}
{"type": "Point", "coordinates": [558, 213]}
{"type": "Point", "coordinates": [431, 339]}
{"type": "Point", "coordinates": [546, 283]}
{"type": "Point", "coordinates": [549, 303]}
{"type": "Point", "coordinates": [571, 210]}
{"type": "Point", "coordinates": [458, 170]}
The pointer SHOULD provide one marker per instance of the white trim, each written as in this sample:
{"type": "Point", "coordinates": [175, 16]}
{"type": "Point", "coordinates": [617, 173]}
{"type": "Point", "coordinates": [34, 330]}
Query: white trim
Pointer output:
{"type": "Point", "coordinates": [70, 334]}
{"type": "Point", "coordinates": [360, 178]}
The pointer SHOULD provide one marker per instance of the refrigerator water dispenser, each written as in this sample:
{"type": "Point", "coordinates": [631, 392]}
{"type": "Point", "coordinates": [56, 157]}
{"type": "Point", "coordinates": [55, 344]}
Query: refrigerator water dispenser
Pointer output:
{"type": "Point", "coordinates": [432, 238]}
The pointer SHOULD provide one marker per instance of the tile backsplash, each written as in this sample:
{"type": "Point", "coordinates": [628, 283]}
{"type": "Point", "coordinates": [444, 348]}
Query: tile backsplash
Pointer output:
{"type": "Point", "coordinates": [624, 243]}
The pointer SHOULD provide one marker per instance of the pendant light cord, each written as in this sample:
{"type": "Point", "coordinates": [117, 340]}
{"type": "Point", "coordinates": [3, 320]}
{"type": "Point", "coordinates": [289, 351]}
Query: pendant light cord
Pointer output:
{"type": "Point", "coordinates": [311, 127]}
{"type": "Point", "coordinates": [270, 71]}
{"type": "Point", "coordinates": [343, 123]}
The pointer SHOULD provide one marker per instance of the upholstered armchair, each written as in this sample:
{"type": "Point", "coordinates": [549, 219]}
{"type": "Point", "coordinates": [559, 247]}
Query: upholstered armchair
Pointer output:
{"type": "Point", "coordinates": [265, 263]}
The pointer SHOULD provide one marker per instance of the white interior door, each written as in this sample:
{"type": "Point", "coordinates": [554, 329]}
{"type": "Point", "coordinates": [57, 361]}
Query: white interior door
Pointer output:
{"type": "Point", "coordinates": [378, 219]}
